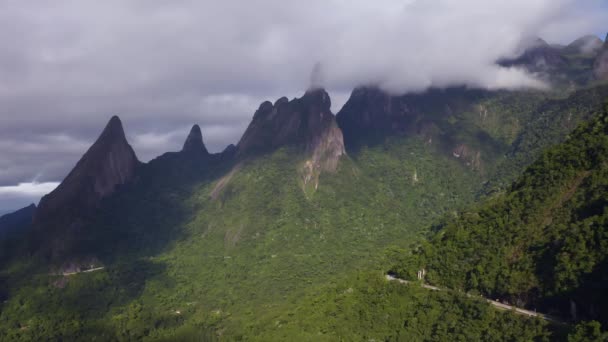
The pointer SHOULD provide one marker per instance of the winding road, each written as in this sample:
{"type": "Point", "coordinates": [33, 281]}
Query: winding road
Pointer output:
{"type": "Point", "coordinates": [494, 303]}
{"type": "Point", "coordinates": [85, 271]}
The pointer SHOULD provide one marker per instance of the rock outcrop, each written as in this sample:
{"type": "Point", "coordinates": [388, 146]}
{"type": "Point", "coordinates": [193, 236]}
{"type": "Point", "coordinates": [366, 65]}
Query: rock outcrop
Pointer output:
{"type": "Point", "coordinates": [600, 67]}
{"type": "Point", "coordinates": [538, 57]}
{"type": "Point", "coordinates": [586, 45]}
{"type": "Point", "coordinates": [370, 114]}
{"type": "Point", "coordinates": [471, 157]}
{"type": "Point", "coordinates": [194, 143]}
{"type": "Point", "coordinates": [307, 122]}
{"type": "Point", "coordinates": [109, 163]}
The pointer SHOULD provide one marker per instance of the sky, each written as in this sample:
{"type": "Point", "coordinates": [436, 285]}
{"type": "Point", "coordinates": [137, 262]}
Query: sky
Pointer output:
{"type": "Point", "coordinates": [67, 66]}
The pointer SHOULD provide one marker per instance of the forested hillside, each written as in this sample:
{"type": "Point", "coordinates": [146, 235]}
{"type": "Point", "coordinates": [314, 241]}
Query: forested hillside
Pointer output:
{"type": "Point", "coordinates": [227, 245]}
{"type": "Point", "coordinates": [543, 244]}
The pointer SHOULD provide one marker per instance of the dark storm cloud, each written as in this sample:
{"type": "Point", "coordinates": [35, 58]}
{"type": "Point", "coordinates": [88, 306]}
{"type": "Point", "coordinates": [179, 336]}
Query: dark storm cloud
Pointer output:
{"type": "Point", "coordinates": [66, 66]}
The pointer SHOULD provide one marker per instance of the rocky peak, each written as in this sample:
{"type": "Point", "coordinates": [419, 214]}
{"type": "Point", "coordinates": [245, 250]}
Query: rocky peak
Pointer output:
{"type": "Point", "coordinates": [306, 122]}
{"type": "Point", "coordinates": [588, 45]}
{"type": "Point", "coordinates": [287, 122]}
{"type": "Point", "coordinates": [537, 58]}
{"type": "Point", "coordinates": [194, 143]}
{"type": "Point", "coordinates": [109, 163]}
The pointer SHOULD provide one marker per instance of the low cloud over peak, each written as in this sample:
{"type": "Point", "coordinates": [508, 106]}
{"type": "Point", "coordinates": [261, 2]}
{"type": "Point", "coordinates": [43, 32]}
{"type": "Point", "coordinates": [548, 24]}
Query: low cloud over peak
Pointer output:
{"type": "Point", "coordinates": [67, 66]}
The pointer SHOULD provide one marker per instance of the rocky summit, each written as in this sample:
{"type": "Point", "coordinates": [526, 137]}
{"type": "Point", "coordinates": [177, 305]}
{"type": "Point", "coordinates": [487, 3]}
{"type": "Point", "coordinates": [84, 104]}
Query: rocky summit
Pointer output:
{"type": "Point", "coordinates": [305, 122]}
{"type": "Point", "coordinates": [194, 143]}
{"type": "Point", "coordinates": [109, 163]}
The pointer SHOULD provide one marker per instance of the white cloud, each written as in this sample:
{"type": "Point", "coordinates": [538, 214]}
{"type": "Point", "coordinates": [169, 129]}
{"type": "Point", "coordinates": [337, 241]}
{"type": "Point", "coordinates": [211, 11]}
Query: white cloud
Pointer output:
{"type": "Point", "coordinates": [31, 189]}
{"type": "Point", "coordinates": [18, 196]}
{"type": "Point", "coordinates": [165, 65]}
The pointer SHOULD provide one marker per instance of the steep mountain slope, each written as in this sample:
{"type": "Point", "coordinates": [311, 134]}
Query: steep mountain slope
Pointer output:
{"type": "Point", "coordinates": [543, 244]}
{"type": "Point", "coordinates": [496, 134]}
{"type": "Point", "coordinates": [109, 163]}
{"type": "Point", "coordinates": [307, 122]}
{"type": "Point", "coordinates": [225, 239]}
{"type": "Point", "coordinates": [563, 67]}
{"type": "Point", "coordinates": [226, 245]}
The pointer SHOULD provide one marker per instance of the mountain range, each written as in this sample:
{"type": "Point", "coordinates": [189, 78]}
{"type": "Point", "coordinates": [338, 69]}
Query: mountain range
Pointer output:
{"type": "Point", "coordinates": [287, 234]}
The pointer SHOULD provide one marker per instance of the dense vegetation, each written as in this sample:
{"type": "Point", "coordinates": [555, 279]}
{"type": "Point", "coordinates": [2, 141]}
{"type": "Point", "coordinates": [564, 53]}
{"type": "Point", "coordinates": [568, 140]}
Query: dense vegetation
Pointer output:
{"type": "Point", "coordinates": [199, 250]}
{"type": "Point", "coordinates": [544, 243]}
{"type": "Point", "coordinates": [252, 249]}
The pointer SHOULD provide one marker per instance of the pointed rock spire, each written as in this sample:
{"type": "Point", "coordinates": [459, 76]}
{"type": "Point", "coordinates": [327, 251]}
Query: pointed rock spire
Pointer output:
{"type": "Point", "coordinates": [108, 163]}
{"type": "Point", "coordinates": [194, 142]}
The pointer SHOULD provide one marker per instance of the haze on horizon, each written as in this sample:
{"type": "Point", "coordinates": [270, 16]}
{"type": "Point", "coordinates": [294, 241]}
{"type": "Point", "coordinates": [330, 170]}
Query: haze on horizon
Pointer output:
{"type": "Point", "coordinates": [163, 66]}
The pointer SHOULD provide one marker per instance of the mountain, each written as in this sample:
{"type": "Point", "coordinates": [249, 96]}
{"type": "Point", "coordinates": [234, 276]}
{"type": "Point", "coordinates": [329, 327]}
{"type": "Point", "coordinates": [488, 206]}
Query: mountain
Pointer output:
{"type": "Point", "coordinates": [539, 57]}
{"type": "Point", "coordinates": [243, 231]}
{"type": "Point", "coordinates": [109, 163]}
{"type": "Point", "coordinates": [543, 243]}
{"type": "Point", "coordinates": [494, 133]}
{"type": "Point", "coordinates": [18, 220]}
{"type": "Point", "coordinates": [194, 142]}
{"type": "Point", "coordinates": [586, 45]}
{"type": "Point", "coordinates": [562, 67]}
{"type": "Point", "coordinates": [307, 121]}
{"type": "Point", "coordinates": [286, 235]}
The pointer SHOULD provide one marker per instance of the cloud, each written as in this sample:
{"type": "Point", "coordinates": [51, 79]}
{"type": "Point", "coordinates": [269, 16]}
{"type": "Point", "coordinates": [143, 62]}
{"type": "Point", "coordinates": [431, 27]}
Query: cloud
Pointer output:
{"type": "Point", "coordinates": [29, 189]}
{"type": "Point", "coordinates": [20, 195]}
{"type": "Point", "coordinates": [67, 66]}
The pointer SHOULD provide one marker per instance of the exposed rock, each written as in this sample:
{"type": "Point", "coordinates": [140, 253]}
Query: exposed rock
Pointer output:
{"type": "Point", "coordinates": [538, 58]}
{"type": "Point", "coordinates": [471, 157]}
{"type": "Point", "coordinates": [306, 122]}
{"type": "Point", "coordinates": [230, 149]}
{"type": "Point", "coordinates": [194, 143]}
{"type": "Point", "coordinates": [370, 115]}
{"type": "Point", "coordinates": [600, 67]}
{"type": "Point", "coordinates": [109, 163]}
{"type": "Point", "coordinates": [221, 184]}
{"type": "Point", "coordinates": [16, 221]}
{"type": "Point", "coordinates": [586, 45]}
{"type": "Point", "coordinates": [372, 112]}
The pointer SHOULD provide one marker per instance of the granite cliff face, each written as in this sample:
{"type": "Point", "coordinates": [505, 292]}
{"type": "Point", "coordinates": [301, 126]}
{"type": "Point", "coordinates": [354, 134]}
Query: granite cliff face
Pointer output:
{"type": "Point", "coordinates": [307, 122]}
{"type": "Point", "coordinates": [436, 116]}
{"type": "Point", "coordinates": [109, 163]}
{"type": "Point", "coordinates": [370, 113]}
